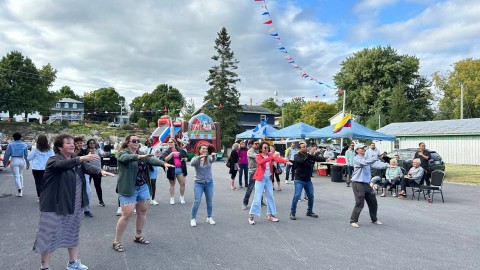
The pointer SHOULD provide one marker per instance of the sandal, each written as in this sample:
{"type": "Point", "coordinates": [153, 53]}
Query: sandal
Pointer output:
{"type": "Point", "coordinates": [141, 240]}
{"type": "Point", "coordinates": [118, 247]}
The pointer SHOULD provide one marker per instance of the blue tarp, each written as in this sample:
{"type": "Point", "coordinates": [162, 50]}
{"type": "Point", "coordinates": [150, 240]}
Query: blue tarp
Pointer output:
{"type": "Point", "coordinates": [357, 131]}
{"type": "Point", "coordinates": [248, 134]}
{"type": "Point", "coordinates": [297, 131]}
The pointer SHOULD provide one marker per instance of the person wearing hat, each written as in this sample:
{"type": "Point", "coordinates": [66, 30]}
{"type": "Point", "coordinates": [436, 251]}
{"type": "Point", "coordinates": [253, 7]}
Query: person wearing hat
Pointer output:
{"type": "Point", "coordinates": [362, 190]}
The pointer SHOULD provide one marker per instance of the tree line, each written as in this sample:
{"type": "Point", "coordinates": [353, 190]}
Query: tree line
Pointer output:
{"type": "Point", "coordinates": [379, 84]}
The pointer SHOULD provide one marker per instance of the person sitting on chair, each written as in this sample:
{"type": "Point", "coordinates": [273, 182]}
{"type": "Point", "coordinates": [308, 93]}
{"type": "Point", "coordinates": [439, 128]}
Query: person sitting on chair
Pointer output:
{"type": "Point", "coordinates": [392, 176]}
{"type": "Point", "coordinates": [412, 179]}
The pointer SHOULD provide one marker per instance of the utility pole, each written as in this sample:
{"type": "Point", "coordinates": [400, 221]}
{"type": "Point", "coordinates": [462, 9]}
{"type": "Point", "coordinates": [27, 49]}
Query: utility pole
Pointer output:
{"type": "Point", "coordinates": [461, 101]}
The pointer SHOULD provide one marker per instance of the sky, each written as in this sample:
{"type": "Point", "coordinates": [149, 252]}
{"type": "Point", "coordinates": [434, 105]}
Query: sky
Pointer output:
{"type": "Point", "coordinates": [134, 46]}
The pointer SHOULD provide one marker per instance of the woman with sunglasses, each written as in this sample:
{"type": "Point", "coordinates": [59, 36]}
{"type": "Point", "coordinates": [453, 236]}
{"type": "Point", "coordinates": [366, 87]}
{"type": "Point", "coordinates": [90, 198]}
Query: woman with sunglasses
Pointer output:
{"type": "Point", "coordinates": [133, 187]}
{"type": "Point", "coordinates": [202, 163]}
{"type": "Point", "coordinates": [263, 181]}
{"type": "Point", "coordinates": [176, 157]}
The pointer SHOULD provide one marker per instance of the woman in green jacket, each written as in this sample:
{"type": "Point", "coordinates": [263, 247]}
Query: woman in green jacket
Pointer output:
{"type": "Point", "coordinates": [133, 187]}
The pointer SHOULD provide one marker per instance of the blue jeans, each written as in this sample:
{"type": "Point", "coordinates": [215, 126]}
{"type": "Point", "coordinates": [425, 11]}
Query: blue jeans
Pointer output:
{"type": "Point", "coordinates": [299, 186]}
{"type": "Point", "coordinates": [265, 184]}
{"type": "Point", "coordinates": [89, 191]}
{"type": "Point", "coordinates": [198, 190]}
{"type": "Point", "coordinates": [243, 172]}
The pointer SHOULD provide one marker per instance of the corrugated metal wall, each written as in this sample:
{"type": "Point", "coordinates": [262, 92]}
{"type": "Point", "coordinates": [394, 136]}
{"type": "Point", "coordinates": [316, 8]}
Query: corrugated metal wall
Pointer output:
{"type": "Point", "coordinates": [453, 149]}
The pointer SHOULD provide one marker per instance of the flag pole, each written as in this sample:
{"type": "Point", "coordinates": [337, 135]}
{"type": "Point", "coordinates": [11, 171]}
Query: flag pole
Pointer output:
{"type": "Point", "coordinates": [343, 112]}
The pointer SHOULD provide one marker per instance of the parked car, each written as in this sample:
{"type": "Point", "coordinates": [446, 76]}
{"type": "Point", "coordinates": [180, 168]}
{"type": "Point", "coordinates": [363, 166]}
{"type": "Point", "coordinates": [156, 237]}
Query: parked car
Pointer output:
{"type": "Point", "coordinates": [406, 156]}
{"type": "Point", "coordinates": [4, 145]}
{"type": "Point", "coordinates": [113, 124]}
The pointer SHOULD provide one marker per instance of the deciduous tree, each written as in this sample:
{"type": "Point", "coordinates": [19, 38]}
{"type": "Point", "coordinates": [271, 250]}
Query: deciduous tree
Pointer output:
{"type": "Point", "coordinates": [317, 113]}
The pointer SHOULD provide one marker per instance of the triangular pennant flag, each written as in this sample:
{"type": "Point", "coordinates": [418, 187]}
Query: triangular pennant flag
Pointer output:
{"type": "Point", "coordinates": [268, 22]}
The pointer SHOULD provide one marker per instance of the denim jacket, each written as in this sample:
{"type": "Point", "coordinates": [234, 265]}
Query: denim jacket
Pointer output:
{"type": "Point", "coordinates": [16, 149]}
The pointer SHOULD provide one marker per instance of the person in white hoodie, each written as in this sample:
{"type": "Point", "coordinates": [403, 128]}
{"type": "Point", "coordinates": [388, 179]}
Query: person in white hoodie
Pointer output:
{"type": "Point", "coordinates": [39, 157]}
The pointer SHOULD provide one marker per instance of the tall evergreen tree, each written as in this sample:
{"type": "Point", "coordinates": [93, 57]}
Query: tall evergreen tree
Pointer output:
{"type": "Point", "coordinates": [222, 99]}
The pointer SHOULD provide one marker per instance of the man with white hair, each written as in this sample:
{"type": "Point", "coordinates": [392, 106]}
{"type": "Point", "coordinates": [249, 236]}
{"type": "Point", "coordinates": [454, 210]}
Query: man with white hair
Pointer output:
{"type": "Point", "coordinates": [412, 179]}
{"type": "Point", "coordinates": [362, 189]}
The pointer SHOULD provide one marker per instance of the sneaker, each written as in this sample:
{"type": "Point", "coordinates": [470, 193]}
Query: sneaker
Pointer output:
{"type": "Point", "coordinates": [182, 200]}
{"type": "Point", "coordinates": [193, 223]}
{"type": "Point", "coordinates": [172, 201]}
{"type": "Point", "coordinates": [210, 221]}
{"type": "Point", "coordinates": [153, 202]}
{"type": "Point", "coordinates": [102, 204]}
{"type": "Point", "coordinates": [272, 218]}
{"type": "Point", "coordinates": [311, 214]}
{"type": "Point", "coordinates": [244, 207]}
{"type": "Point", "coordinates": [292, 217]}
{"type": "Point", "coordinates": [286, 181]}
{"type": "Point", "coordinates": [119, 212]}
{"type": "Point", "coordinates": [76, 265]}
{"type": "Point", "coordinates": [377, 222]}
{"type": "Point", "coordinates": [251, 221]}
{"type": "Point", "coordinates": [394, 194]}
{"type": "Point", "coordinates": [87, 214]}
{"type": "Point", "coordinates": [134, 211]}
{"type": "Point", "coordinates": [19, 194]}
{"type": "Point", "coordinates": [355, 225]}
{"type": "Point", "coordinates": [383, 195]}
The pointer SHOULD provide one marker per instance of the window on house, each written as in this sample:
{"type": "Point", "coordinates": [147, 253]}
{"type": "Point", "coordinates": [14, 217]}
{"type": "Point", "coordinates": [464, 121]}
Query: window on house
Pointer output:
{"type": "Point", "coordinates": [66, 105]}
{"type": "Point", "coordinates": [74, 105]}
{"type": "Point", "coordinates": [58, 105]}
{"type": "Point", "coordinates": [263, 117]}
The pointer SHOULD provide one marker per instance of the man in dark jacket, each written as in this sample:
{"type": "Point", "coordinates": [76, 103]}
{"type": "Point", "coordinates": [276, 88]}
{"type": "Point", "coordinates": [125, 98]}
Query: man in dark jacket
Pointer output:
{"type": "Point", "coordinates": [303, 179]}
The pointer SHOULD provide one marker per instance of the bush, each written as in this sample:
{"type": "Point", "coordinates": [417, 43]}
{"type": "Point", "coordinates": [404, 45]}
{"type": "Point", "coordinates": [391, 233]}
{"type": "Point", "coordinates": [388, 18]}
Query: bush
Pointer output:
{"type": "Point", "coordinates": [152, 125]}
{"type": "Point", "coordinates": [142, 123]}
{"type": "Point", "coordinates": [104, 123]}
{"type": "Point", "coordinates": [126, 127]}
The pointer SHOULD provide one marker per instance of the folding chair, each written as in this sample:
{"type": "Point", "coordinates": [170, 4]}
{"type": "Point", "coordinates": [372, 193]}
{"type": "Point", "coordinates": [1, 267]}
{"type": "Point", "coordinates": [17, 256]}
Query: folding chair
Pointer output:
{"type": "Point", "coordinates": [112, 164]}
{"type": "Point", "coordinates": [436, 184]}
{"type": "Point", "coordinates": [404, 172]}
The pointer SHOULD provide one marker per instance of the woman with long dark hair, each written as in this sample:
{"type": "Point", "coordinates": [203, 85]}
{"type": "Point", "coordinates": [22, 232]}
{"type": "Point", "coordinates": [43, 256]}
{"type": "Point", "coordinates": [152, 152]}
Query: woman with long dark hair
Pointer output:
{"type": "Point", "coordinates": [202, 163]}
{"type": "Point", "coordinates": [263, 182]}
{"type": "Point", "coordinates": [177, 157]}
{"type": "Point", "coordinates": [39, 157]}
{"type": "Point", "coordinates": [97, 179]}
{"type": "Point", "coordinates": [61, 202]}
{"type": "Point", "coordinates": [133, 185]}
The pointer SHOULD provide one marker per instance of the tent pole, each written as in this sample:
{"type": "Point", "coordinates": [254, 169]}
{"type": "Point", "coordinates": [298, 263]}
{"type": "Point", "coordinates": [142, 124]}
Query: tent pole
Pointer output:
{"type": "Point", "coordinates": [343, 114]}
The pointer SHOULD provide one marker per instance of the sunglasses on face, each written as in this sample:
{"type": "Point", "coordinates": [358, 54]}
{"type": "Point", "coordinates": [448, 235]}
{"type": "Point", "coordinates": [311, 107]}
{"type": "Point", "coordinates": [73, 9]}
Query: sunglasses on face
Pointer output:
{"type": "Point", "coordinates": [135, 141]}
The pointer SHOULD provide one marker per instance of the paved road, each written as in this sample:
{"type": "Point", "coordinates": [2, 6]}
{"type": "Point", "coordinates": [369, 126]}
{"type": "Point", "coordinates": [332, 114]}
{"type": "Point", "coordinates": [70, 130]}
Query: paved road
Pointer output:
{"type": "Point", "coordinates": [415, 235]}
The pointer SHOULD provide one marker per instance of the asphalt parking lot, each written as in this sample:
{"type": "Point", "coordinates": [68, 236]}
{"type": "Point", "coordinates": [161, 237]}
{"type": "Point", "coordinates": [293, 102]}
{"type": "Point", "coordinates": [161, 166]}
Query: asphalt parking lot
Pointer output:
{"type": "Point", "coordinates": [415, 234]}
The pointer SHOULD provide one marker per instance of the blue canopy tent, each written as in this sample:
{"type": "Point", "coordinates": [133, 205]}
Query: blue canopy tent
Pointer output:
{"type": "Point", "coordinates": [356, 131]}
{"type": "Point", "coordinates": [297, 131]}
{"type": "Point", "coordinates": [248, 134]}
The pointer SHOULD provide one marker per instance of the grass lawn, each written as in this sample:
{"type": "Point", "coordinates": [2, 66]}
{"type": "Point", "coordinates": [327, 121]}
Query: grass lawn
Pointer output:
{"type": "Point", "coordinates": [462, 174]}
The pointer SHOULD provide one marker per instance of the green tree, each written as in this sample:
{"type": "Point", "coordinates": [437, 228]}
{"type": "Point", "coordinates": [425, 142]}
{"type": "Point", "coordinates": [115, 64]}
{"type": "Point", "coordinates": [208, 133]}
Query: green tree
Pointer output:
{"type": "Point", "coordinates": [67, 92]}
{"type": "Point", "coordinates": [189, 109]}
{"type": "Point", "coordinates": [270, 103]}
{"type": "Point", "coordinates": [152, 105]}
{"type": "Point", "coordinates": [466, 72]}
{"type": "Point", "coordinates": [222, 98]}
{"type": "Point", "coordinates": [292, 111]}
{"type": "Point", "coordinates": [23, 87]}
{"type": "Point", "coordinates": [317, 113]}
{"type": "Point", "coordinates": [103, 104]}
{"type": "Point", "coordinates": [370, 77]}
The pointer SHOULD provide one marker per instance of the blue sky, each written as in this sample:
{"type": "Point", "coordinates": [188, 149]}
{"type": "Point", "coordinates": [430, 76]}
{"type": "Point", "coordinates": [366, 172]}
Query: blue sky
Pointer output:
{"type": "Point", "coordinates": [134, 46]}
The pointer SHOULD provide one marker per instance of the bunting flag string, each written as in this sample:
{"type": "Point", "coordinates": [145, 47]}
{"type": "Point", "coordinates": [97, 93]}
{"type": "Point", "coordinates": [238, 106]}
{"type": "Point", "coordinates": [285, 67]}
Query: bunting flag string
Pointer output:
{"type": "Point", "coordinates": [282, 48]}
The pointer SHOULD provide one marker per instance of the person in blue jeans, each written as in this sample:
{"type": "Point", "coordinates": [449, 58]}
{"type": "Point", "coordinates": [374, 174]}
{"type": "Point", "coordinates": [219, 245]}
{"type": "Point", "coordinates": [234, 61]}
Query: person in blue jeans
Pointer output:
{"type": "Point", "coordinates": [202, 163]}
{"type": "Point", "coordinates": [303, 180]}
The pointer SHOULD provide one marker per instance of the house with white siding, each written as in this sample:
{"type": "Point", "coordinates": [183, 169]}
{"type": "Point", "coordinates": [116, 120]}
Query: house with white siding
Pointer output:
{"type": "Point", "coordinates": [457, 141]}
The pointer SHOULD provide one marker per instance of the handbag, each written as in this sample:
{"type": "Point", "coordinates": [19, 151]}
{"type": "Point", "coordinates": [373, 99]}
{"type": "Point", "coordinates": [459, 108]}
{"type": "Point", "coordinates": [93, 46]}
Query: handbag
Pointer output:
{"type": "Point", "coordinates": [278, 171]}
{"type": "Point", "coordinates": [229, 162]}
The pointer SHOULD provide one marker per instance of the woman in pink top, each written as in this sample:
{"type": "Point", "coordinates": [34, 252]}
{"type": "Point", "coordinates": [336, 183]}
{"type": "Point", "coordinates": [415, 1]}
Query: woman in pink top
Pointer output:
{"type": "Point", "coordinates": [243, 164]}
{"type": "Point", "coordinates": [178, 157]}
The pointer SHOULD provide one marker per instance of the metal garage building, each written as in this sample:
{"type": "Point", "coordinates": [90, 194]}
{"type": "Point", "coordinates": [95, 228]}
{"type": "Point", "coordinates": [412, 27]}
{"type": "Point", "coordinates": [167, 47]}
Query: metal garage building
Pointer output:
{"type": "Point", "coordinates": [457, 141]}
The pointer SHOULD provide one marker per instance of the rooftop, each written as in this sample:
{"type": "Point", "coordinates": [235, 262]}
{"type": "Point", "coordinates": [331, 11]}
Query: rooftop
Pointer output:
{"type": "Point", "coordinates": [441, 127]}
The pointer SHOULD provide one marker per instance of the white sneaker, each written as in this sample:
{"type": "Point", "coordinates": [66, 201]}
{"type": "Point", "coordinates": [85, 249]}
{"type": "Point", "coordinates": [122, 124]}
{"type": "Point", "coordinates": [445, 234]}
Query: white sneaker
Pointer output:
{"type": "Point", "coordinates": [182, 200]}
{"type": "Point", "coordinates": [134, 211]}
{"type": "Point", "coordinates": [210, 221]}
{"type": "Point", "coordinates": [193, 223]}
{"type": "Point", "coordinates": [19, 194]}
{"type": "Point", "coordinates": [153, 202]}
{"type": "Point", "coordinates": [172, 201]}
{"type": "Point", "coordinates": [377, 222]}
{"type": "Point", "coordinates": [119, 211]}
{"type": "Point", "coordinates": [76, 265]}
{"type": "Point", "coordinates": [355, 225]}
